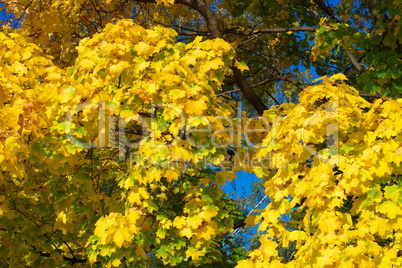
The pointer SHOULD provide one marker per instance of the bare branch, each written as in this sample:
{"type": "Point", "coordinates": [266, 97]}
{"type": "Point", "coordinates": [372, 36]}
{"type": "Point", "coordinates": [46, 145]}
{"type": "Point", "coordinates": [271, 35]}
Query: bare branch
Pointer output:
{"type": "Point", "coordinates": [264, 82]}
{"type": "Point", "coordinates": [325, 8]}
{"type": "Point", "coordinates": [354, 61]}
{"type": "Point", "coordinates": [272, 30]}
{"type": "Point", "coordinates": [194, 33]}
{"type": "Point", "coordinates": [242, 223]}
{"type": "Point", "coordinates": [228, 92]}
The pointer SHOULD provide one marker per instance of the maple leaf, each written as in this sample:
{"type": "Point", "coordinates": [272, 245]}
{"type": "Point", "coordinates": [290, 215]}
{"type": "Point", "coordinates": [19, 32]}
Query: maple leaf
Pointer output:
{"type": "Point", "coordinates": [120, 236]}
{"type": "Point", "coordinates": [250, 220]}
{"type": "Point", "coordinates": [163, 251]}
{"type": "Point", "coordinates": [187, 232]}
{"type": "Point", "coordinates": [86, 64]}
{"type": "Point", "coordinates": [196, 107]}
{"type": "Point", "coordinates": [116, 69]}
{"type": "Point", "coordinates": [241, 65]}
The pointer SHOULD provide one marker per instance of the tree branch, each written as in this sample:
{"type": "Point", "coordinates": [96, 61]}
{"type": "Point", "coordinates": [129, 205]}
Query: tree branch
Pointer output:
{"type": "Point", "coordinates": [370, 97]}
{"type": "Point", "coordinates": [371, 4]}
{"type": "Point", "coordinates": [228, 92]}
{"type": "Point", "coordinates": [327, 10]}
{"type": "Point", "coordinates": [309, 7]}
{"type": "Point", "coordinates": [194, 33]}
{"type": "Point", "coordinates": [323, 7]}
{"type": "Point", "coordinates": [213, 27]}
{"type": "Point", "coordinates": [354, 61]}
{"type": "Point", "coordinates": [248, 93]}
{"type": "Point", "coordinates": [253, 32]}
{"type": "Point", "coordinates": [241, 223]}
{"type": "Point", "coordinates": [71, 260]}
{"type": "Point", "coordinates": [273, 30]}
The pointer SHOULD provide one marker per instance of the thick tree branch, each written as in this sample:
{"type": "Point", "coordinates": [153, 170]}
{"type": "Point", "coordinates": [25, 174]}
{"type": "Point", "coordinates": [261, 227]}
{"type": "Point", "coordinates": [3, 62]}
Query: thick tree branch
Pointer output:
{"type": "Point", "coordinates": [371, 4]}
{"type": "Point", "coordinates": [213, 27]}
{"type": "Point", "coordinates": [248, 93]}
{"type": "Point", "coordinates": [310, 8]}
{"type": "Point", "coordinates": [323, 7]}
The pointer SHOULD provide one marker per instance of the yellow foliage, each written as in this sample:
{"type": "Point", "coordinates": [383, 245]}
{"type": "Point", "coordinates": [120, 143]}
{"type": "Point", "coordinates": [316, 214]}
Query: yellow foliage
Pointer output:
{"type": "Point", "coordinates": [342, 212]}
{"type": "Point", "coordinates": [65, 155]}
{"type": "Point", "coordinates": [110, 159]}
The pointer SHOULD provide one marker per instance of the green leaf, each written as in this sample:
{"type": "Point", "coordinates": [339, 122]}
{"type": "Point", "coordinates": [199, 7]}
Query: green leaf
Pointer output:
{"type": "Point", "coordinates": [374, 194]}
{"type": "Point", "coordinates": [162, 252]}
{"type": "Point", "coordinates": [392, 192]}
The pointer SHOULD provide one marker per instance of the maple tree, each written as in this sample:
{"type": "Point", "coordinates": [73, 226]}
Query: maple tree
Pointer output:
{"type": "Point", "coordinates": [120, 125]}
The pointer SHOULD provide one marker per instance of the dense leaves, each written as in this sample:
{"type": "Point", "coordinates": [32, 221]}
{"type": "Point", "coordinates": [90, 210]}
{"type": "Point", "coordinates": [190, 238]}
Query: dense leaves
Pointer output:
{"type": "Point", "coordinates": [121, 121]}
{"type": "Point", "coordinates": [336, 173]}
{"type": "Point", "coordinates": [68, 174]}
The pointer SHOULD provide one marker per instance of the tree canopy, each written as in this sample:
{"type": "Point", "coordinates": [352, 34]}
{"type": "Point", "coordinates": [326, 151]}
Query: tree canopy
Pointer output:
{"type": "Point", "coordinates": [122, 120]}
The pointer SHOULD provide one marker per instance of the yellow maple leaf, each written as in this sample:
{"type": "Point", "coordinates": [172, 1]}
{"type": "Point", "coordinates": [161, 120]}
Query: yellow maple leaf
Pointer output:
{"type": "Point", "coordinates": [241, 66]}
{"type": "Point", "coordinates": [196, 107]}
{"type": "Point", "coordinates": [250, 220]}
{"type": "Point", "coordinates": [207, 214]}
{"type": "Point", "coordinates": [143, 192]}
{"type": "Point", "coordinates": [116, 262]}
{"type": "Point", "coordinates": [351, 170]}
{"type": "Point", "coordinates": [166, 3]}
{"type": "Point", "coordinates": [62, 217]}
{"type": "Point", "coordinates": [212, 65]}
{"type": "Point", "coordinates": [161, 233]}
{"type": "Point", "coordinates": [208, 231]}
{"type": "Point", "coordinates": [179, 222]}
{"type": "Point", "coordinates": [143, 49]}
{"type": "Point", "coordinates": [118, 238]}
{"type": "Point", "coordinates": [116, 69]}
{"type": "Point", "coordinates": [171, 175]}
{"type": "Point", "coordinates": [353, 252]}
{"type": "Point", "coordinates": [194, 253]}
{"type": "Point", "coordinates": [63, 224]}
{"type": "Point", "coordinates": [134, 198]}
{"type": "Point", "coordinates": [297, 236]}
{"type": "Point", "coordinates": [268, 246]}
{"type": "Point", "coordinates": [177, 94]}
{"type": "Point", "coordinates": [187, 232]}
{"type": "Point", "coordinates": [336, 77]}
{"type": "Point", "coordinates": [53, 76]}
{"type": "Point", "coordinates": [86, 64]}
{"type": "Point", "coordinates": [194, 221]}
